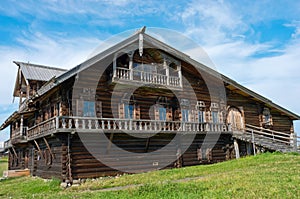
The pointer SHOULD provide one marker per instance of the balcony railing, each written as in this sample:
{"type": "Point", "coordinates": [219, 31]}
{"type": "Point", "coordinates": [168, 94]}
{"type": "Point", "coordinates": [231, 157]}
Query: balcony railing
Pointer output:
{"type": "Point", "coordinates": [147, 77]}
{"type": "Point", "coordinates": [19, 134]}
{"type": "Point", "coordinates": [64, 123]}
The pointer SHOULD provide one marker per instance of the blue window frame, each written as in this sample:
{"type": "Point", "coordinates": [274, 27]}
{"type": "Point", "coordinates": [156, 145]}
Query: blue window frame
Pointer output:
{"type": "Point", "coordinates": [128, 111]}
{"type": "Point", "coordinates": [162, 113]}
{"type": "Point", "coordinates": [89, 109]}
{"type": "Point", "coordinates": [215, 118]}
{"type": "Point", "coordinates": [185, 115]}
{"type": "Point", "coordinates": [200, 116]}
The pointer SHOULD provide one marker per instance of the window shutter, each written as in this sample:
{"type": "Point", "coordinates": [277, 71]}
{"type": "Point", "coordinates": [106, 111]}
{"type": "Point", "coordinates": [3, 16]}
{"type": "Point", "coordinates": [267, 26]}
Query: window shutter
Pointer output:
{"type": "Point", "coordinates": [221, 117]}
{"type": "Point", "coordinates": [169, 114]}
{"type": "Point", "coordinates": [136, 112]}
{"type": "Point", "coordinates": [191, 115]}
{"type": "Point", "coordinates": [99, 109]}
{"type": "Point", "coordinates": [196, 115]}
{"type": "Point", "coordinates": [79, 107]}
{"type": "Point", "coordinates": [121, 111]}
{"type": "Point", "coordinates": [208, 117]}
{"type": "Point", "coordinates": [177, 115]}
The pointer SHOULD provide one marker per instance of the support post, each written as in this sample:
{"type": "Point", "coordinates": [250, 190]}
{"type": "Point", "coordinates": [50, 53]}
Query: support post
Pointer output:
{"type": "Point", "coordinates": [21, 126]}
{"type": "Point", "coordinates": [167, 71]}
{"type": "Point", "coordinates": [180, 75]}
{"type": "Point", "coordinates": [115, 66]}
{"type": "Point", "coordinates": [236, 148]}
{"type": "Point", "coordinates": [254, 151]}
{"type": "Point", "coordinates": [27, 91]}
{"type": "Point", "coordinates": [130, 67]}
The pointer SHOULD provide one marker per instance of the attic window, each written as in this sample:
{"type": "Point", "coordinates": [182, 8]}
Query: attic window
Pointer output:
{"type": "Point", "coordinates": [267, 117]}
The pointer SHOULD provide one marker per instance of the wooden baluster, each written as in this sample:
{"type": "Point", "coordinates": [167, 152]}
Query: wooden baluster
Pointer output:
{"type": "Point", "coordinates": [141, 125]}
{"type": "Point", "coordinates": [120, 125]}
{"type": "Point", "coordinates": [130, 124]}
{"type": "Point", "coordinates": [76, 123]}
{"type": "Point", "coordinates": [83, 124]}
{"type": "Point", "coordinates": [53, 123]}
{"type": "Point", "coordinates": [96, 124]}
{"type": "Point", "coordinates": [63, 123]}
{"type": "Point", "coordinates": [70, 123]}
{"type": "Point", "coordinates": [108, 124]}
{"type": "Point", "coordinates": [114, 125]}
{"type": "Point", "coordinates": [90, 124]}
{"type": "Point", "coordinates": [126, 125]}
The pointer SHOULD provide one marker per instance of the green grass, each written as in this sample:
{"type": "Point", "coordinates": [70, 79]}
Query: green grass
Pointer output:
{"type": "Point", "coordinates": [3, 165]}
{"type": "Point", "coordinates": [263, 176]}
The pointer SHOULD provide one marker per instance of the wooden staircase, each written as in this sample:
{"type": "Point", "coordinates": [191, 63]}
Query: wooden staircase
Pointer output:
{"type": "Point", "coordinates": [269, 139]}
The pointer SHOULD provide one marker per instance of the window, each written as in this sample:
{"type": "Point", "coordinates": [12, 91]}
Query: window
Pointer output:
{"type": "Point", "coordinates": [162, 113]}
{"type": "Point", "coordinates": [128, 111]}
{"type": "Point", "coordinates": [267, 118]}
{"type": "Point", "coordinates": [89, 109]}
{"type": "Point", "coordinates": [185, 115]}
{"type": "Point", "coordinates": [215, 118]}
{"type": "Point", "coordinates": [201, 116]}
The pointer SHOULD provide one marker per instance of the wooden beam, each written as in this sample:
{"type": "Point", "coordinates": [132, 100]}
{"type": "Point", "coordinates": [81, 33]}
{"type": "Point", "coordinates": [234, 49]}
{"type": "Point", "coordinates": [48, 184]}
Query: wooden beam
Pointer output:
{"type": "Point", "coordinates": [14, 151]}
{"type": "Point", "coordinates": [39, 149]}
{"type": "Point", "coordinates": [48, 146]}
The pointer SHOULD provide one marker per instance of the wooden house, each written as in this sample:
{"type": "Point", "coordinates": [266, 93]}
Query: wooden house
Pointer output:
{"type": "Point", "coordinates": [136, 106]}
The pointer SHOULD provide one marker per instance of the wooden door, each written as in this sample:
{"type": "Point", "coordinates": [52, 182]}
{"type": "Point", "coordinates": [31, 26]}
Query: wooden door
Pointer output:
{"type": "Point", "coordinates": [235, 118]}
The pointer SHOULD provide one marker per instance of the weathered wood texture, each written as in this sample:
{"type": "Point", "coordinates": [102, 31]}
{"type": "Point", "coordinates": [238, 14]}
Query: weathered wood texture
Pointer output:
{"type": "Point", "coordinates": [85, 165]}
{"type": "Point", "coordinates": [45, 165]}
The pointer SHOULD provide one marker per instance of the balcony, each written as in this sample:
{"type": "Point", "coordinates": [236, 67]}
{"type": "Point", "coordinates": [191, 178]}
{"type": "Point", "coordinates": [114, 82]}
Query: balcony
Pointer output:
{"type": "Point", "coordinates": [7, 144]}
{"type": "Point", "coordinates": [88, 124]}
{"type": "Point", "coordinates": [135, 76]}
{"type": "Point", "coordinates": [18, 135]}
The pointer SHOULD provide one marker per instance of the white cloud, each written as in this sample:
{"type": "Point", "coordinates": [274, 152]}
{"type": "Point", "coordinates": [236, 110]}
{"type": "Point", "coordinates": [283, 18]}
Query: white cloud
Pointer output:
{"type": "Point", "coordinates": [216, 24]}
{"type": "Point", "coordinates": [41, 49]}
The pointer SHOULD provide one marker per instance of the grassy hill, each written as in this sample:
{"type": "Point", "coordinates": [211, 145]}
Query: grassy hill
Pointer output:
{"type": "Point", "coordinates": [263, 176]}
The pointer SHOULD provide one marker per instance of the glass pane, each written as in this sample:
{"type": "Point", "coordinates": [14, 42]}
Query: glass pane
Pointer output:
{"type": "Point", "coordinates": [88, 109]}
{"type": "Point", "coordinates": [128, 111]}
{"type": "Point", "coordinates": [162, 113]}
{"type": "Point", "coordinates": [215, 117]}
{"type": "Point", "coordinates": [185, 115]}
{"type": "Point", "coordinates": [201, 116]}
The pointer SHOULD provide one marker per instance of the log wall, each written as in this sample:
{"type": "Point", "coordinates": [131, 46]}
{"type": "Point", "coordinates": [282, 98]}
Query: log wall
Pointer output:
{"type": "Point", "coordinates": [85, 165]}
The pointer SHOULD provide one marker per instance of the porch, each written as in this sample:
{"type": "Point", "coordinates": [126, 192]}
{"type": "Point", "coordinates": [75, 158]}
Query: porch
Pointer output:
{"type": "Point", "coordinates": [93, 124]}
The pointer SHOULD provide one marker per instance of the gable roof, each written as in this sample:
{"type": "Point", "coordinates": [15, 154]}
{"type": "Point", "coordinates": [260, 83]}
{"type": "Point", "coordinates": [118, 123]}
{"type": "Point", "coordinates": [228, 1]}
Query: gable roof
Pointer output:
{"type": "Point", "coordinates": [154, 42]}
{"type": "Point", "coordinates": [28, 72]}
{"type": "Point", "coordinates": [38, 72]}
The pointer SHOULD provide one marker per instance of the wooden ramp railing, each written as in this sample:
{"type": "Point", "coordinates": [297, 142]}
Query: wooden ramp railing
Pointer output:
{"type": "Point", "coordinates": [273, 140]}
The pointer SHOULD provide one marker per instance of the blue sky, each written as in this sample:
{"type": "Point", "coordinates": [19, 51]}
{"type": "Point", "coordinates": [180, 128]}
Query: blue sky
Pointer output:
{"type": "Point", "coordinates": [255, 43]}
